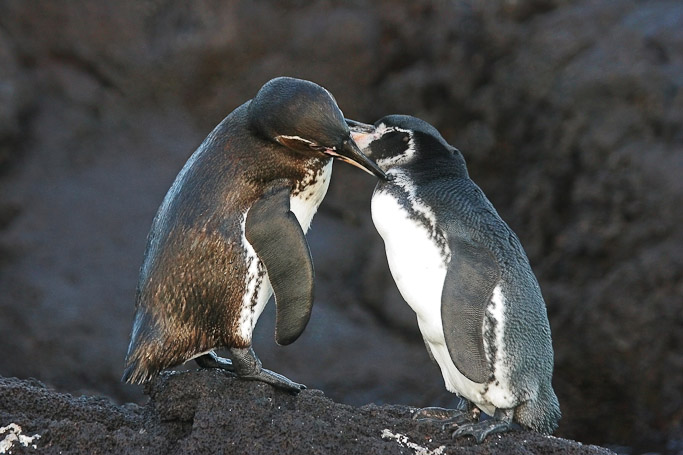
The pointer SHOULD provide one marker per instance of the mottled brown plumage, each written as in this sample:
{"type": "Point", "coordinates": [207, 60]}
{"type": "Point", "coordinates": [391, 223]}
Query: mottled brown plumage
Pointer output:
{"type": "Point", "coordinates": [202, 283]}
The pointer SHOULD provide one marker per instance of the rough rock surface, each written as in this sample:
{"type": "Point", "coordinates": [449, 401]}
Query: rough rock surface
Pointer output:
{"type": "Point", "coordinates": [208, 412]}
{"type": "Point", "coordinates": [570, 115]}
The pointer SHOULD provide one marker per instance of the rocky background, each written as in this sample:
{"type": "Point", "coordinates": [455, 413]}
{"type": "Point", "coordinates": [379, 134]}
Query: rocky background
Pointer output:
{"type": "Point", "coordinates": [570, 114]}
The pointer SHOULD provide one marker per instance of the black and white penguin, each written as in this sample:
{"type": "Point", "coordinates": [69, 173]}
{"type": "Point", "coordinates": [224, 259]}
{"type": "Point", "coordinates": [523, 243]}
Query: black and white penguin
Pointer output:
{"type": "Point", "coordinates": [230, 233]}
{"type": "Point", "coordinates": [465, 274]}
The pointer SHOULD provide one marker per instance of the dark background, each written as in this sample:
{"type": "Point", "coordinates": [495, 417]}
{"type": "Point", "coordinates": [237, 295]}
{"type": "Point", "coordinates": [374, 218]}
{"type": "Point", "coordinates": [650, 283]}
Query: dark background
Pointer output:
{"type": "Point", "coordinates": [570, 115]}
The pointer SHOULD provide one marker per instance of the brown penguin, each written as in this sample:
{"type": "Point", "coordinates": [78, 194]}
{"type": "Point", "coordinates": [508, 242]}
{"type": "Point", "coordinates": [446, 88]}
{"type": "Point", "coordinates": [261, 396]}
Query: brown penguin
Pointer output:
{"type": "Point", "coordinates": [230, 233]}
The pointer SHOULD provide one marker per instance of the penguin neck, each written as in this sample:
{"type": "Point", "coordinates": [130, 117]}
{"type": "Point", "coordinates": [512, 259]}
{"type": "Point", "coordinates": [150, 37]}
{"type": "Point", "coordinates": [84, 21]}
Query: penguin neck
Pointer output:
{"type": "Point", "coordinates": [310, 191]}
{"type": "Point", "coordinates": [308, 177]}
{"type": "Point", "coordinates": [451, 167]}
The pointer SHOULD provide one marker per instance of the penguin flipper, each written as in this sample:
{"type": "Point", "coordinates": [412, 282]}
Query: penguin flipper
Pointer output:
{"type": "Point", "coordinates": [471, 277]}
{"type": "Point", "coordinates": [276, 235]}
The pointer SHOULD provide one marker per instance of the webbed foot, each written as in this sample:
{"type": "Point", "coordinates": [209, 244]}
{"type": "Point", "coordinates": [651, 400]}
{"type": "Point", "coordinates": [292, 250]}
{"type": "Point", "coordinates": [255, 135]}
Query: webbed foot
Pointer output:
{"type": "Point", "coordinates": [248, 366]}
{"type": "Point", "coordinates": [501, 422]}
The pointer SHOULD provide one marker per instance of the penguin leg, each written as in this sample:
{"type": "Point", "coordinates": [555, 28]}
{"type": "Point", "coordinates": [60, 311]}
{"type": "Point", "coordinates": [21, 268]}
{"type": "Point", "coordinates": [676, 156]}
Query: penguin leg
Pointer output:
{"type": "Point", "coordinates": [464, 413]}
{"type": "Point", "coordinates": [248, 366]}
{"type": "Point", "coordinates": [211, 360]}
{"type": "Point", "coordinates": [500, 423]}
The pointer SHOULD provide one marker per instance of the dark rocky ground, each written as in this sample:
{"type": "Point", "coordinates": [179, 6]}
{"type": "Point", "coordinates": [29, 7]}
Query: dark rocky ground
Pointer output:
{"type": "Point", "coordinates": [570, 115]}
{"type": "Point", "coordinates": [208, 412]}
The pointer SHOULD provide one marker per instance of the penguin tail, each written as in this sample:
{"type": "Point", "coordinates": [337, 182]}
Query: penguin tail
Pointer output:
{"type": "Point", "coordinates": [134, 375]}
{"type": "Point", "coordinates": [142, 350]}
{"type": "Point", "coordinates": [137, 371]}
{"type": "Point", "coordinates": [541, 413]}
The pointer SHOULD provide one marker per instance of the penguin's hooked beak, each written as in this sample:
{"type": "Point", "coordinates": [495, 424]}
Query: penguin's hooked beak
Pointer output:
{"type": "Point", "coordinates": [350, 153]}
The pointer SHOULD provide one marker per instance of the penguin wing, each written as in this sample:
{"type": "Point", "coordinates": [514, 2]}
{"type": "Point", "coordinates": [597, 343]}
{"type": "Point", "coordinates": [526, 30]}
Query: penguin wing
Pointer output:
{"type": "Point", "coordinates": [276, 235]}
{"type": "Point", "coordinates": [471, 277]}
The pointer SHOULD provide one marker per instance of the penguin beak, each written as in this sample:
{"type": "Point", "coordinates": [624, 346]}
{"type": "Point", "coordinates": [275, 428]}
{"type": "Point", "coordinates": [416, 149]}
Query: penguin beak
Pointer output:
{"type": "Point", "coordinates": [350, 153]}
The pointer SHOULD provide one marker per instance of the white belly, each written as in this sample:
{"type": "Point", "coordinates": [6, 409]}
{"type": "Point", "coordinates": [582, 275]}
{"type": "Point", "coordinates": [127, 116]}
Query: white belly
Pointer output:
{"type": "Point", "coordinates": [257, 291]}
{"type": "Point", "coordinates": [419, 271]}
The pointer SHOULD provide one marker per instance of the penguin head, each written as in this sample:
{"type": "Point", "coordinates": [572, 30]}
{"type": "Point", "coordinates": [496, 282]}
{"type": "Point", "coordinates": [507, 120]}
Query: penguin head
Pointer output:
{"type": "Point", "coordinates": [401, 140]}
{"type": "Point", "coordinates": [305, 118]}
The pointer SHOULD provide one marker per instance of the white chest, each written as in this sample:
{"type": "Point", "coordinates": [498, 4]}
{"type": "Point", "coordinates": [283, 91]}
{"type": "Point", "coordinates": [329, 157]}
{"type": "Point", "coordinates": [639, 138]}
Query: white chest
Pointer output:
{"type": "Point", "coordinates": [415, 260]}
{"type": "Point", "coordinates": [305, 203]}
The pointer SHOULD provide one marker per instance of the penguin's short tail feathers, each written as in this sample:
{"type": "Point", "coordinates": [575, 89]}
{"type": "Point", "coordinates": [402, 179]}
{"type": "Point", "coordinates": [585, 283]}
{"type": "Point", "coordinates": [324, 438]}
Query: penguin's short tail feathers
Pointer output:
{"type": "Point", "coordinates": [141, 350]}
{"type": "Point", "coordinates": [133, 374]}
{"type": "Point", "coordinates": [541, 413]}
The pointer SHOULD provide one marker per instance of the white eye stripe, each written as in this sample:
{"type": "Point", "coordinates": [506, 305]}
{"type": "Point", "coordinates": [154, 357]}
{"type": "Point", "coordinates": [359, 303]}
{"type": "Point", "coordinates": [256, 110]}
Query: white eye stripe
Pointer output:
{"type": "Point", "coordinates": [296, 138]}
{"type": "Point", "coordinates": [311, 144]}
{"type": "Point", "coordinates": [398, 159]}
{"type": "Point", "coordinates": [383, 129]}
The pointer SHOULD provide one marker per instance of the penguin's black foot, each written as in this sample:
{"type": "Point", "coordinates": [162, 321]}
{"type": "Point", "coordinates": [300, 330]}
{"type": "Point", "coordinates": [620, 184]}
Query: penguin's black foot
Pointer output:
{"type": "Point", "coordinates": [500, 423]}
{"type": "Point", "coordinates": [211, 360]}
{"type": "Point", "coordinates": [276, 380]}
{"type": "Point", "coordinates": [248, 366]}
{"type": "Point", "coordinates": [447, 417]}
{"type": "Point", "coordinates": [480, 430]}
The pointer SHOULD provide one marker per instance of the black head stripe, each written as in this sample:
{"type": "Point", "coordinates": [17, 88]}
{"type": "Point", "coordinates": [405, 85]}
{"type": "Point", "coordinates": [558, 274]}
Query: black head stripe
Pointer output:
{"type": "Point", "coordinates": [391, 144]}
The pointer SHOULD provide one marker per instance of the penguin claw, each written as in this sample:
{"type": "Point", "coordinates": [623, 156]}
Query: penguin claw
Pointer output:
{"type": "Point", "coordinates": [481, 430]}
